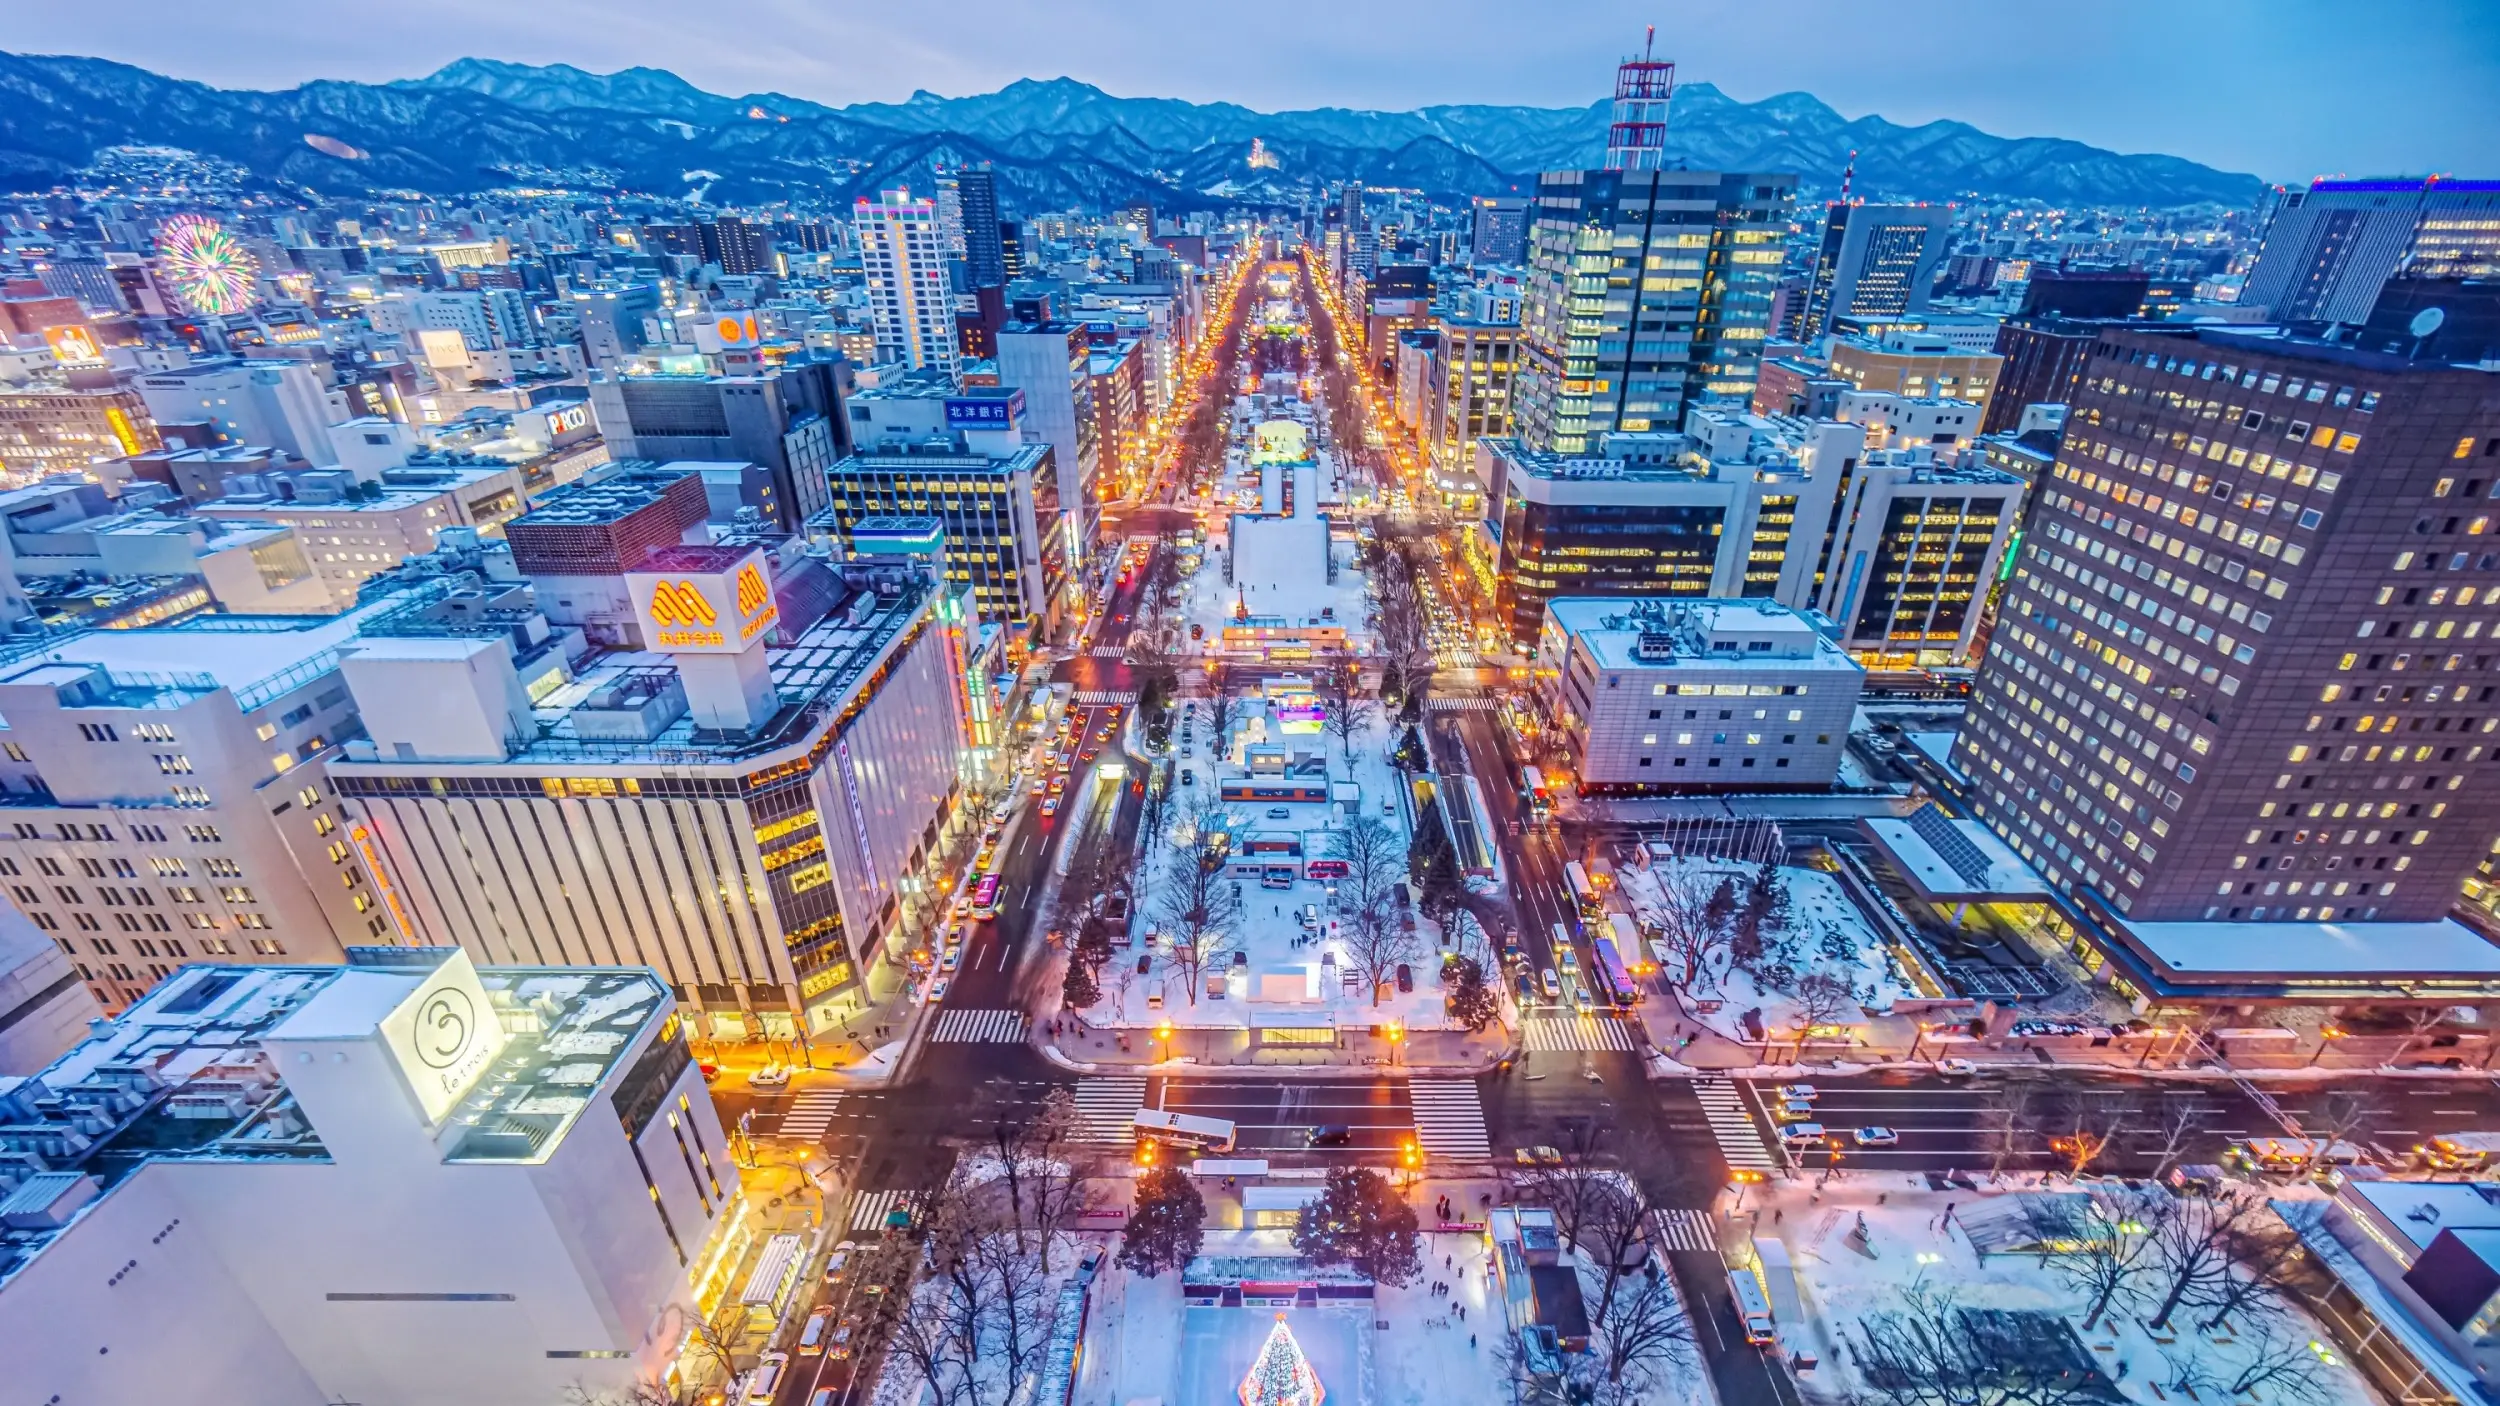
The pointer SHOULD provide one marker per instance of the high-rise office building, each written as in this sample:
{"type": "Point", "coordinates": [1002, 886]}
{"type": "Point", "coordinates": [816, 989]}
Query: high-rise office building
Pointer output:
{"type": "Point", "coordinates": [1478, 362]}
{"type": "Point", "coordinates": [2243, 668]}
{"type": "Point", "coordinates": [904, 255]}
{"type": "Point", "coordinates": [1648, 291]}
{"type": "Point", "coordinates": [1875, 261]}
{"type": "Point", "coordinates": [2330, 248]}
{"type": "Point", "coordinates": [985, 258]}
{"type": "Point", "coordinates": [1500, 231]}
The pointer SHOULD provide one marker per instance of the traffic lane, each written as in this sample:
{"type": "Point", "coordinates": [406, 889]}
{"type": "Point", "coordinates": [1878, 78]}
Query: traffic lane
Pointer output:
{"type": "Point", "coordinates": [1741, 1372]}
{"type": "Point", "coordinates": [1277, 1117]}
{"type": "Point", "coordinates": [1938, 1131]}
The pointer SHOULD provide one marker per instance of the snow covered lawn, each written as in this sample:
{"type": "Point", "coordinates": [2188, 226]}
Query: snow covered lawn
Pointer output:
{"type": "Point", "coordinates": [1911, 1252]}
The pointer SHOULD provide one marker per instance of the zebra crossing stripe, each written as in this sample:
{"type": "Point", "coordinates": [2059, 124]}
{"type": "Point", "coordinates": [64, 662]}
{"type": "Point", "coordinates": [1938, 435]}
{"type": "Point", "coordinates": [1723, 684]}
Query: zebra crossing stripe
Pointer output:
{"type": "Point", "coordinates": [810, 1114]}
{"type": "Point", "coordinates": [1586, 1032]}
{"type": "Point", "coordinates": [1106, 1108]}
{"type": "Point", "coordinates": [1740, 1142]}
{"type": "Point", "coordinates": [961, 1026]}
{"type": "Point", "coordinates": [1683, 1229]}
{"type": "Point", "coordinates": [1463, 705]}
{"type": "Point", "coordinates": [869, 1208]}
{"type": "Point", "coordinates": [1449, 1118]}
{"type": "Point", "coordinates": [1104, 697]}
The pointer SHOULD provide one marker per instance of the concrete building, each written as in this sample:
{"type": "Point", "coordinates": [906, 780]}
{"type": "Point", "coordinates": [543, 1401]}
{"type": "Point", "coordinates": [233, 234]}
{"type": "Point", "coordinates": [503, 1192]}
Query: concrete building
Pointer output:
{"type": "Point", "coordinates": [1648, 291]}
{"type": "Point", "coordinates": [1651, 695]}
{"type": "Point", "coordinates": [1479, 364]}
{"type": "Point", "coordinates": [277, 402]}
{"type": "Point", "coordinates": [786, 801]}
{"type": "Point", "coordinates": [162, 802]}
{"type": "Point", "coordinates": [1916, 365]}
{"type": "Point", "coordinates": [1498, 230]}
{"type": "Point", "coordinates": [1914, 549]}
{"type": "Point", "coordinates": [963, 458]}
{"type": "Point", "coordinates": [44, 429]}
{"type": "Point", "coordinates": [903, 253]}
{"type": "Point", "coordinates": [611, 318]}
{"type": "Point", "coordinates": [44, 1007]}
{"type": "Point", "coordinates": [2244, 614]}
{"type": "Point", "coordinates": [350, 536]}
{"type": "Point", "coordinates": [788, 419]}
{"type": "Point", "coordinates": [300, 1185]}
{"type": "Point", "coordinates": [577, 542]}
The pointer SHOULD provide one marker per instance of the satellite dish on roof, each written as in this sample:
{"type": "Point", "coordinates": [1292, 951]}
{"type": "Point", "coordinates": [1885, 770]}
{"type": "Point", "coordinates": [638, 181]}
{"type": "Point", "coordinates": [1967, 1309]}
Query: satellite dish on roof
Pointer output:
{"type": "Point", "coordinates": [2427, 321]}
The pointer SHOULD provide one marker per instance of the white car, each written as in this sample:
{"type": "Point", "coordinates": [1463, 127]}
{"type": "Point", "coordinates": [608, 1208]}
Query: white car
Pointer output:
{"type": "Point", "coordinates": [937, 990]}
{"type": "Point", "coordinates": [1875, 1137]}
{"type": "Point", "coordinates": [767, 1376]}
{"type": "Point", "coordinates": [1800, 1093]}
{"type": "Point", "coordinates": [1956, 1068]}
{"type": "Point", "coordinates": [1802, 1134]}
{"type": "Point", "coordinates": [771, 1076]}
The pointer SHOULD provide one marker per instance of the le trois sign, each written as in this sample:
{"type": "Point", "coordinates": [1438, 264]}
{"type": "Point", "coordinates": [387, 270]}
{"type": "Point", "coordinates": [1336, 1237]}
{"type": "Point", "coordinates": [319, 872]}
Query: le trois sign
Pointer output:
{"type": "Point", "coordinates": [444, 1036]}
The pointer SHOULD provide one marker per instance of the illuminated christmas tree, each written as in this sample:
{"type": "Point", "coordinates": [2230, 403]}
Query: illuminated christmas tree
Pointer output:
{"type": "Point", "coordinates": [1281, 1376]}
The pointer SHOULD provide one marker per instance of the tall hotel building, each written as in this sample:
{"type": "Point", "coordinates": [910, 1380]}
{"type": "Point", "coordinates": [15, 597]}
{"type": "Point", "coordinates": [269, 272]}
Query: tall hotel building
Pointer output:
{"type": "Point", "coordinates": [2245, 668]}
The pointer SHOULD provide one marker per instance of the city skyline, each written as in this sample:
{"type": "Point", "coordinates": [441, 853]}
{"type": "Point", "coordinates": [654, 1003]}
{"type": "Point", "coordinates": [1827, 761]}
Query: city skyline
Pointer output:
{"type": "Point", "coordinates": [2405, 98]}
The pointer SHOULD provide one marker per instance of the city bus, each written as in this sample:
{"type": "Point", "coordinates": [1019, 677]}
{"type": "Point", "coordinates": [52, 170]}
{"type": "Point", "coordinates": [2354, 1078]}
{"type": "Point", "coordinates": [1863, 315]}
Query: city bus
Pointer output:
{"type": "Point", "coordinates": [1532, 790]}
{"type": "Point", "coordinates": [1613, 982]}
{"type": "Point", "coordinates": [985, 897]}
{"type": "Point", "coordinates": [1185, 1130]}
{"type": "Point", "coordinates": [1583, 893]}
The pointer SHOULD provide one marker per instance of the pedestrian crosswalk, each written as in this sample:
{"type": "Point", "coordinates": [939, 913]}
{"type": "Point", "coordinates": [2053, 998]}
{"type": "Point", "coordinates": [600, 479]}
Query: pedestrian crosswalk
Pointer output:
{"type": "Point", "coordinates": [1449, 1119]}
{"type": "Point", "coordinates": [870, 1208]}
{"type": "Point", "coordinates": [1104, 697]}
{"type": "Point", "coordinates": [810, 1114]}
{"type": "Point", "coordinates": [1109, 651]}
{"type": "Point", "coordinates": [1106, 1108]}
{"type": "Point", "coordinates": [1683, 1230]}
{"type": "Point", "coordinates": [961, 1026]}
{"type": "Point", "coordinates": [1576, 1032]}
{"type": "Point", "coordinates": [1740, 1142]}
{"type": "Point", "coordinates": [1463, 705]}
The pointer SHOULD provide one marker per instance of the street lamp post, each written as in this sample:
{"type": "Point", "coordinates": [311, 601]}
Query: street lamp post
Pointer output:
{"type": "Point", "coordinates": [2327, 1035]}
{"type": "Point", "coordinates": [1397, 1036]}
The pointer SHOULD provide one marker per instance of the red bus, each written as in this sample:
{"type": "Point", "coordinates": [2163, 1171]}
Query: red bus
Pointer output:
{"type": "Point", "coordinates": [985, 897]}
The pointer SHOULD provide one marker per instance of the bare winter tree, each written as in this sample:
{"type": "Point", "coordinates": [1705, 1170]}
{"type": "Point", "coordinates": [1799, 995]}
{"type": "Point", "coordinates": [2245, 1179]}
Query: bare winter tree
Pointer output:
{"type": "Point", "coordinates": [2006, 1122]}
{"type": "Point", "coordinates": [1574, 1181]}
{"type": "Point", "coordinates": [1933, 1351]}
{"type": "Point", "coordinates": [1200, 907]}
{"type": "Point", "coordinates": [1698, 936]}
{"type": "Point", "coordinates": [1041, 1172]}
{"type": "Point", "coordinates": [2171, 1127]}
{"type": "Point", "coordinates": [2201, 1249]}
{"type": "Point", "coordinates": [1638, 1335]}
{"type": "Point", "coordinates": [2087, 1121]}
{"type": "Point", "coordinates": [2279, 1360]}
{"type": "Point", "coordinates": [1820, 998]}
{"type": "Point", "coordinates": [2110, 1263]}
{"type": "Point", "coordinates": [2339, 1116]}
{"type": "Point", "coordinates": [1337, 683]}
{"type": "Point", "coordinates": [2420, 1021]}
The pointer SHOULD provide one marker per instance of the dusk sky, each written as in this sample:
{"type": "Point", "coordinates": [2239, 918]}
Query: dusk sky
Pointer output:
{"type": "Point", "coordinates": [2287, 89]}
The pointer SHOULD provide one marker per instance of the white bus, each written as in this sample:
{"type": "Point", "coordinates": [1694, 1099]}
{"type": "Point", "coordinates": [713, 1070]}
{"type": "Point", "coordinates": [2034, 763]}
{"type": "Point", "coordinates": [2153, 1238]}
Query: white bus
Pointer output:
{"type": "Point", "coordinates": [1185, 1130]}
{"type": "Point", "coordinates": [1753, 1307]}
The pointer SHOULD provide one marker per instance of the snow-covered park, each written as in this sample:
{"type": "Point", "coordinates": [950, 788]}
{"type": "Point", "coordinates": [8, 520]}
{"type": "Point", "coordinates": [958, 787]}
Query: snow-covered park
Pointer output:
{"type": "Point", "coordinates": [2096, 1291]}
{"type": "Point", "coordinates": [1780, 943]}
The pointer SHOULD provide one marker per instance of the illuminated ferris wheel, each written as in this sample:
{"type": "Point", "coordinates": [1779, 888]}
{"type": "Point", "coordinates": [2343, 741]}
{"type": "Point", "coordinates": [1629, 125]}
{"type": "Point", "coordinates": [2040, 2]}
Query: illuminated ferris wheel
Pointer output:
{"type": "Point", "coordinates": [207, 268]}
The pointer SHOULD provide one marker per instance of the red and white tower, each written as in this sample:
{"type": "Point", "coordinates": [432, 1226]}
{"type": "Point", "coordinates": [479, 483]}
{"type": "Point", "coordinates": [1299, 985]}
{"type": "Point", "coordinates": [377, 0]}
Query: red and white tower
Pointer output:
{"type": "Point", "coordinates": [1638, 139]}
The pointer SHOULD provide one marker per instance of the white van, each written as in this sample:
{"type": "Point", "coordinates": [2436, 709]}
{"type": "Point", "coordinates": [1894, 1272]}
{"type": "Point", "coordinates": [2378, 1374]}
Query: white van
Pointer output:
{"type": "Point", "coordinates": [1802, 1135]}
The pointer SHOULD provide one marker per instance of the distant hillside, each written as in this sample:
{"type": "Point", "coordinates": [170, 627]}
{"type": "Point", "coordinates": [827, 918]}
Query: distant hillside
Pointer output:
{"type": "Point", "coordinates": [1056, 143]}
